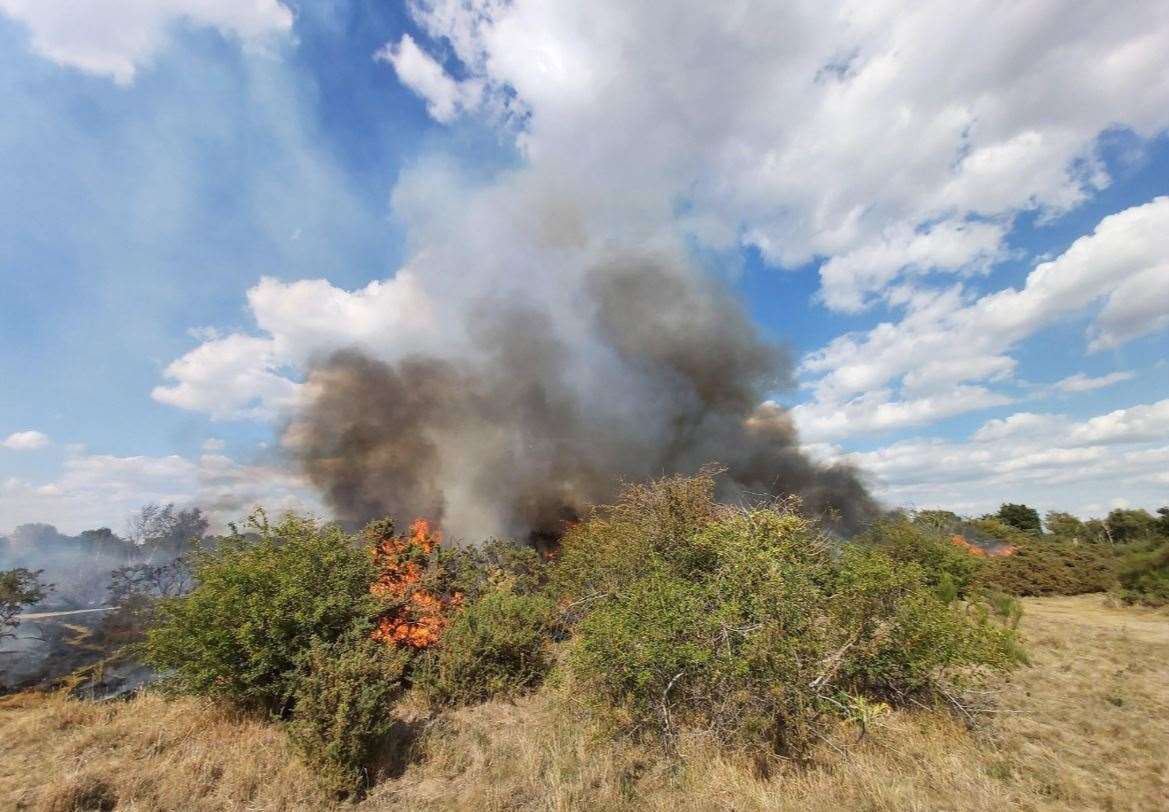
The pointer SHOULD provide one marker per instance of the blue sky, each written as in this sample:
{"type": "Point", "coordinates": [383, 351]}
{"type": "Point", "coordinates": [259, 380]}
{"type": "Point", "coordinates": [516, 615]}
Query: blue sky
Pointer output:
{"type": "Point", "coordinates": [158, 164]}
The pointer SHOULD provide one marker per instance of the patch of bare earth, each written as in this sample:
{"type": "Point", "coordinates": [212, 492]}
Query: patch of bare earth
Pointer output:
{"type": "Point", "coordinates": [1085, 726]}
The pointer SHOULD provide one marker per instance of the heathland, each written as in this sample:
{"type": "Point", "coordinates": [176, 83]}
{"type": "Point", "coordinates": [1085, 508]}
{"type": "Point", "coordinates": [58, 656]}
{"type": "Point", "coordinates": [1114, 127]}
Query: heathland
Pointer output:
{"type": "Point", "coordinates": [1084, 726]}
{"type": "Point", "coordinates": [670, 651]}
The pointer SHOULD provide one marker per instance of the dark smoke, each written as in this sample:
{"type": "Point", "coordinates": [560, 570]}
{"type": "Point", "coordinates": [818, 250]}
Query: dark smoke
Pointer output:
{"type": "Point", "coordinates": [667, 374]}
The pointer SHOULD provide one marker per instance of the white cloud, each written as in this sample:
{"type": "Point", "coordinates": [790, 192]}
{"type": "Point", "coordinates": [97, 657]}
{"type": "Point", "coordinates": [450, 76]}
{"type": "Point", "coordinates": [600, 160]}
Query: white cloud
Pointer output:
{"type": "Point", "coordinates": [867, 133]}
{"type": "Point", "coordinates": [949, 246]}
{"type": "Point", "coordinates": [255, 377]}
{"type": "Point", "coordinates": [946, 339]}
{"type": "Point", "coordinates": [95, 490]}
{"type": "Point", "coordinates": [116, 37]}
{"type": "Point", "coordinates": [878, 411]}
{"type": "Point", "coordinates": [1137, 307]}
{"type": "Point", "coordinates": [236, 376]}
{"type": "Point", "coordinates": [1051, 462]}
{"type": "Point", "coordinates": [445, 98]}
{"type": "Point", "coordinates": [25, 440]}
{"type": "Point", "coordinates": [1083, 383]}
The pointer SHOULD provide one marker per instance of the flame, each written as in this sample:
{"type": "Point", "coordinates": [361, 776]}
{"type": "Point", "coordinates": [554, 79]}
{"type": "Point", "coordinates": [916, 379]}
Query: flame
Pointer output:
{"type": "Point", "coordinates": [420, 616]}
{"type": "Point", "coordinates": [1001, 551]}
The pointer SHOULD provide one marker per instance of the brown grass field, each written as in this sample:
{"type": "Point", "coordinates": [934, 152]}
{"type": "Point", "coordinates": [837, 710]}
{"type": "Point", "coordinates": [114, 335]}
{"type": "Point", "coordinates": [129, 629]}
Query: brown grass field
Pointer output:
{"type": "Point", "coordinates": [1085, 726]}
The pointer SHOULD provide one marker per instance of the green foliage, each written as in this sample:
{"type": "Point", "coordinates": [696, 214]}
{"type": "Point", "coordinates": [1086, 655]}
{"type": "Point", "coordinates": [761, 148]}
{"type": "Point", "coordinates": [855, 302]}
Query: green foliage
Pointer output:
{"type": "Point", "coordinates": [1128, 526]}
{"type": "Point", "coordinates": [1065, 526]}
{"type": "Point", "coordinates": [497, 645]}
{"type": "Point", "coordinates": [1051, 568]}
{"type": "Point", "coordinates": [947, 568]}
{"type": "Point", "coordinates": [1144, 576]}
{"type": "Point", "coordinates": [343, 699]}
{"type": "Point", "coordinates": [19, 588]}
{"type": "Point", "coordinates": [751, 623]}
{"type": "Point", "coordinates": [1020, 517]}
{"type": "Point", "coordinates": [244, 631]}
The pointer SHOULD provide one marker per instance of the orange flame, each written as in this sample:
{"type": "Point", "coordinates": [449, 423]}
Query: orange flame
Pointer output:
{"type": "Point", "coordinates": [421, 616]}
{"type": "Point", "coordinates": [998, 552]}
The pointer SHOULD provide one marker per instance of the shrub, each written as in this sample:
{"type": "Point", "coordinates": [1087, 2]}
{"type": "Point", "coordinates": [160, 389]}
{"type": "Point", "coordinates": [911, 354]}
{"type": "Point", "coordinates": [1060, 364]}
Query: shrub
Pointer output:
{"type": "Point", "coordinates": [19, 589]}
{"type": "Point", "coordinates": [1144, 576]}
{"type": "Point", "coordinates": [949, 569]}
{"type": "Point", "coordinates": [244, 631]}
{"type": "Point", "coordinates": [751, 623]}
{"type": "Point", "coordinates": [343, 699]}
{"type": "Point", "coordinates": [495, 646]}
{"type": "Point", "coordinates": [1051, 568]}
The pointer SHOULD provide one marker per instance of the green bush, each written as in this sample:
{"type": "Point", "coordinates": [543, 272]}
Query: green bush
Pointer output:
{"type": "Point", "coordinates": [343, 699]}
{"type": "Point", "coordinates": [949, 569]}
{"type": "Point", "coordinates": [751, 623]}
{"type": "Point", "coordinates": [497, 645]}
{"type": "Point", "coordinates": [258, 607]}
{"type": "Point", "coordinates": [1051, 568]}
{"type": "Point", "coordinates": [1144, 576]}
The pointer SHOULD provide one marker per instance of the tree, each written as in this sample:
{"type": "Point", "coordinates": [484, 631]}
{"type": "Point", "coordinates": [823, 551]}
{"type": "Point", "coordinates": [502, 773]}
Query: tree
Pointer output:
{"type": "Point", "coordinates": [1064, 525]}
{"type": "Point", "coordinates": [19, 588]}
{"type": "Point", "coordinates": [1020, 516]}
{"type": "Point", "coordinates": [1125, 526]}
{"type": "Point", "coordinates": [166, 532]}
{"type": "Point", "coordinates": [1163, 521]}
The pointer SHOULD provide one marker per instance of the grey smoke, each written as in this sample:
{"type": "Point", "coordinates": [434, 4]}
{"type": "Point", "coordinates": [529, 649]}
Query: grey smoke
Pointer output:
{"type": "Point", "coordinates": [660, 371]}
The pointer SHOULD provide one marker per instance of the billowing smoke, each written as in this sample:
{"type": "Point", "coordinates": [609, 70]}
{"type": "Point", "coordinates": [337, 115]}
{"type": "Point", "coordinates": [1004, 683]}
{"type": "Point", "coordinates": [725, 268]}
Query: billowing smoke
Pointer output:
{"type": "Point", "coordinates": [654, 369]}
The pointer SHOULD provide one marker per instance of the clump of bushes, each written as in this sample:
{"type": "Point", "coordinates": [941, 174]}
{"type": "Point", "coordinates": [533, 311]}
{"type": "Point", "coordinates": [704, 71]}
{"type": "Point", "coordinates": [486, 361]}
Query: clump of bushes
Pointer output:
{"type": "Point", "coordinates": [950, 570]}
{"type": "Point", "coordinates": [669, 609]}
{"type": "Point", "coordinates": [1051, 568]}
{"type": "Point", "coordinates": [319, 628]}
{"type": "Point", "coordinates": [751, 623]}
{"type": "Point", "coordinates": [1144, 576]}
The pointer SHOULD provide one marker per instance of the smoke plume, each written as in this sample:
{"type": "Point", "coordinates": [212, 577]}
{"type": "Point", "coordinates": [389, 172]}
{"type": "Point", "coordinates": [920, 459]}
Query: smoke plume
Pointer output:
{"type": "Point", "coordinates": [653, 369]}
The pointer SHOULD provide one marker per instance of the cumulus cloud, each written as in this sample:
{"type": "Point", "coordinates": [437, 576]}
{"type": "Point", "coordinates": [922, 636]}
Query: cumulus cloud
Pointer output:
{"type": "Point", "coordinates": [867, 133]}
{"type": "Point", "coordinates": [946, 339]}
{"type": "Point", "coordinates": [241, 376]}
{"type": "Point", "coordinates": [25, 440]}
{"type": "Point", "coordinates": [114, 37]}
{"type": "Point", "coordinates": [1050, 461]}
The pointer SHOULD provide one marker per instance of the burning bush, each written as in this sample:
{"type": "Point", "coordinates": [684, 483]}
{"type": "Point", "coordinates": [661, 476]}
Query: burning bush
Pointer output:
{"type": "Point", "coordinates": [414, 583]}
{"type": "Point", "coordinates": [751, 622]}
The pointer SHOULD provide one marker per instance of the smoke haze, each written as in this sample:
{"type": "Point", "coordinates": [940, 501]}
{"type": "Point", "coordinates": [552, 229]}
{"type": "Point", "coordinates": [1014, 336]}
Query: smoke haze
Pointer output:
{"type": "Point", "coordinates": [657, 369]}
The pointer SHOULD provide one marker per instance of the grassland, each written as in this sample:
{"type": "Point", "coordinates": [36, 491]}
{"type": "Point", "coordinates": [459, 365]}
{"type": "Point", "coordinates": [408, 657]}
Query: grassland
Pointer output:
{"type": "Point", "coordinates": [1085, 726]}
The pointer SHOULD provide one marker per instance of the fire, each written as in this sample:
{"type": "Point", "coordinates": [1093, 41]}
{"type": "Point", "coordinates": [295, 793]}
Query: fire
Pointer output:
{"type": "Point", "coordinates": [998, 552]}
{"type": "Point", "coordinates": [419, 615]}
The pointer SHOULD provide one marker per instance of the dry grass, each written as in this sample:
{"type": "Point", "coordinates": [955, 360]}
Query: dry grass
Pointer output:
{"type": "Point", "coordinates": [1085, 727]}
{"type": "Point", "coordinates": [60, 755]}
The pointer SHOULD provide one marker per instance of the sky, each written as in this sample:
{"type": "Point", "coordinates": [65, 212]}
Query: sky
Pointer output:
{"type": "Point", "coordinates": [955, 215]}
